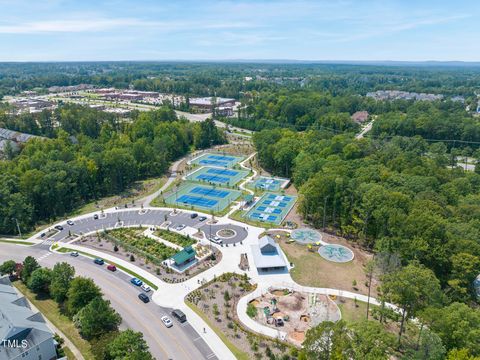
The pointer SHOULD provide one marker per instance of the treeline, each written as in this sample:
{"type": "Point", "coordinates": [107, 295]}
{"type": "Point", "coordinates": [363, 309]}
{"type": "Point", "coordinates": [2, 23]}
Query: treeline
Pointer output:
{"type": "Point", "coordinates": [228, 79]}
{"type": "Point", "coordinates": [91, 155]}
{"type": "Point", "coordinates": [82, 301]}
{"type": "Point", "coordinates": [439, 121]}
{"type": "Point", "coordinates": [394, 196]}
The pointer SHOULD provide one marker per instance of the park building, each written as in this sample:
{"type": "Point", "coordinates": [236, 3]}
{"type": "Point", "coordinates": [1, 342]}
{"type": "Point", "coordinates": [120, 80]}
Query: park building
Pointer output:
{"type": "Point", "coordinates": [24, 334]}
{"type": "Point", "coordinates": [268, 257]}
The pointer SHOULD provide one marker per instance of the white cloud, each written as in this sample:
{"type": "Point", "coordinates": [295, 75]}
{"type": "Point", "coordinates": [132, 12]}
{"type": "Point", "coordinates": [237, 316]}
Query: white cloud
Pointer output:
{"type": "Point", "coordinates": [106, 24]}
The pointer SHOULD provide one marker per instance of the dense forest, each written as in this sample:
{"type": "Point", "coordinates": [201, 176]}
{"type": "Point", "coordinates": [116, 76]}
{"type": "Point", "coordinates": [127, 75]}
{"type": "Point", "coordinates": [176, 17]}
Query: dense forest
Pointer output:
{"type": "Point", "coordinates": [87, 155]}
{"type": "Point", "coordinates": [393, 196]}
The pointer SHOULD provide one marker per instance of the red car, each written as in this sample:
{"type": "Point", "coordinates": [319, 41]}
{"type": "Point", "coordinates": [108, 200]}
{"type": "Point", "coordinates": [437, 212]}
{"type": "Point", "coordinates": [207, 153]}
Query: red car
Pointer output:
{"type": "Point", "coordinates": [112, 267]}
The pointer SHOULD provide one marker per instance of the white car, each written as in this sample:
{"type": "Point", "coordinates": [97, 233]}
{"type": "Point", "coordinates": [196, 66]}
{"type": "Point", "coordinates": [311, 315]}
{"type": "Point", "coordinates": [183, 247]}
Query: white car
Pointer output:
{"type": "Point", "coordinates": [166, 321]}
{"type": "Point", "coordinates": [70, 222]}
{"type": "Point", "coordinates": [216, 239]}
{"type": "Point", "coordinates": [146, 288]}
{"type": "Point", "coordinates": [74, 253]}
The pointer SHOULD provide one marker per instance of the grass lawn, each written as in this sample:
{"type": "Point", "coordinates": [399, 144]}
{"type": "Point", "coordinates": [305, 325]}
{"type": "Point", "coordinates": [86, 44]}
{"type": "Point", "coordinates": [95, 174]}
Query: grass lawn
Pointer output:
{"type": "Point", "coordinates": [236, 352]}
{"type": "Point", "coordinates": [68, 353]}
{"type": "Point", "coordinates": [17, 242]}
{"type": "Point", "coordinates": [49, 308]}
{"type": "Point", "coordinates": [128, 271]}
{"type": "Point", "coordinates": [352, 313]}
{"type": "Point", "coordinates": [312, 270]}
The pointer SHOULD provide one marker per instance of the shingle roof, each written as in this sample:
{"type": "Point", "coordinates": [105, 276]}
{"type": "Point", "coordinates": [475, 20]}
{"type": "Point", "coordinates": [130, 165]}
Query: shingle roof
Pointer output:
{"type": "Point", "coordinates": [18, 321]}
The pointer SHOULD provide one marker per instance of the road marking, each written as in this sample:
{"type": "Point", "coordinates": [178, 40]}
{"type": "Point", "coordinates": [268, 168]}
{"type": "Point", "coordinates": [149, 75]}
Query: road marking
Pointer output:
{"type": "Point", "coordinates": [44, 256]}
{"type": "Point", "coordinates": [210, 356]}
{"type": "Point", "coordinates": [198, 338]}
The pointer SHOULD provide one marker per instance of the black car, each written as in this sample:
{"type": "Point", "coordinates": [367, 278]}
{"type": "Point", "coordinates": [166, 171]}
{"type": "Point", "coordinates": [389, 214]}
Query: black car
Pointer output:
{"type": "Point", "coordinates": [194, 215]}
{"type": "Point", "coordinates": [143, 297]}
{"type": "Point", "coordinates": [95, 217]}
{"type": "Point", "coordinates": [202, 218]}
{"type": "Point", "coordinates": [59, 227]}
{"type": "Point", "coordinates": [179, 315]}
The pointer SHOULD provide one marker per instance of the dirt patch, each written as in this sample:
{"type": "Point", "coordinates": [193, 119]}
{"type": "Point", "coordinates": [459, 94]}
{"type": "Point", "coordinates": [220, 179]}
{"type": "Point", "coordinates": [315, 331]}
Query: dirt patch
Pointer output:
{"type": "Point", "coordinates": [294, 312]}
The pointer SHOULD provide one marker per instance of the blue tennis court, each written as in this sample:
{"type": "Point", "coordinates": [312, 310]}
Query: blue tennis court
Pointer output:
{"type": "Point", "coordinates": [268, 183]}
{"type": "Point", "coordinates": [272, 208]}
{"type": "Point", "coordinates": [202, 197]}
{"type": "Point", "coordinates": [222, 177]}
{"type": "Point", "coordinates": [218, 160]}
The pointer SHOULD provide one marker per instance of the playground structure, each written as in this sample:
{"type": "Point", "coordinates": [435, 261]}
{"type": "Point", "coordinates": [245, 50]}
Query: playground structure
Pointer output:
{"type": "Point", "coordinates": [294, 312]}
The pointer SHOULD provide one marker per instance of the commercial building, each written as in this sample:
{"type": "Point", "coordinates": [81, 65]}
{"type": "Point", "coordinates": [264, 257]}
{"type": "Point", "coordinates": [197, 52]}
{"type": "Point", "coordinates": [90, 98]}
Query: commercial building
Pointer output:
{"type": "Point", "coordinates": [24, 334]}
{"type": "Point", "coordinates": [267, 255]}
{"type": "Point", "coordinates": [206, 104]}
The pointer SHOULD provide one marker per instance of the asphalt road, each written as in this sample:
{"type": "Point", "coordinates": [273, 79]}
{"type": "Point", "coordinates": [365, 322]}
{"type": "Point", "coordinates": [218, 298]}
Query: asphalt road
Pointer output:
{"type": "Point", "coordinates": [148, 218]}
{"type": "Point", "coordinates": [180, 342]}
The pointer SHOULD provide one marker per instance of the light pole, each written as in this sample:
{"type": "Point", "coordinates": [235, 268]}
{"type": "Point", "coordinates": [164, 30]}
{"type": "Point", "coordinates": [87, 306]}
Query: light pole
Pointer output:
{"type": "Point", "coordinates": [18, 227]}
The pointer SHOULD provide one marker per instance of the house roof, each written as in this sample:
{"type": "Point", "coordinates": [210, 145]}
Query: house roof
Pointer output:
{"type": "Point", "coordinates": [18, 321]}
{"type": "Point", "coordinates": [184, 255]}
{"type": "Point", "coordinates": [267, 254]}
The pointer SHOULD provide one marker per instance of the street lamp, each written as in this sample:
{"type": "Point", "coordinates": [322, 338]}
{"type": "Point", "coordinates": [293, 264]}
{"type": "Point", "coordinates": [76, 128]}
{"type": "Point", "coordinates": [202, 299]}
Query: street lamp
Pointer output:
{"type": "Point", "coordinates": [18, 226]}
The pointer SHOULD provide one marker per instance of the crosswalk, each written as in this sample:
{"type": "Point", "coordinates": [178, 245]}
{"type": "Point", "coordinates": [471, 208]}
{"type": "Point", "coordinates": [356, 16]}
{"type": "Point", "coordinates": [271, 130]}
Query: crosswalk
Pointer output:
{"type": "Point", "coordinates": [44, 256]}
{"type": "Point", "coordinates": [48, 242]}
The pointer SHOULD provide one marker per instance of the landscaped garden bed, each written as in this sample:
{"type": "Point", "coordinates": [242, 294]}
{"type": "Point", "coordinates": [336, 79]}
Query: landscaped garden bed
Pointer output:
{"type": "Point", "coordinates": [216, 302]}
{"type": "Point", "coordinates": [175, 238]}
{"type": "Point", "coordinates": [119, 242]}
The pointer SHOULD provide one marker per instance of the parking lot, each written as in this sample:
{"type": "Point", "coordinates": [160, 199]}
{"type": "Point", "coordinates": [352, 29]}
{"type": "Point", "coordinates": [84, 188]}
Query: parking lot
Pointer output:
{"type": "Point", "coordinates": [149, 217]}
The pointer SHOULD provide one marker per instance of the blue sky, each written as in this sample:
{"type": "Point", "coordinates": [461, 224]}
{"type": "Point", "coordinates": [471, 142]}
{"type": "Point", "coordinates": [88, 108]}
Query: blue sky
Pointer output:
{"type": "Point", "coordinates": [46, 30]}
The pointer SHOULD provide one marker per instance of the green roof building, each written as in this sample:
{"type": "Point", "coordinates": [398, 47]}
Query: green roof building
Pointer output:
{"type": "Point", "coordinates": [185, 256]}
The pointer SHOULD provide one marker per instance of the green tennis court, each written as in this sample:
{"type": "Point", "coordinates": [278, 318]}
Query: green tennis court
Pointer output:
{"type": "Point", "coordinates": [202, 197]}
{"type": "Point", "coordinates": [272, 208]}
{"type": "Point", "coordinates": [211, 175]}
{"type": "Point", "coordinates": [268, 183]}
{"type": "Point", "coordinates": [217, 160]}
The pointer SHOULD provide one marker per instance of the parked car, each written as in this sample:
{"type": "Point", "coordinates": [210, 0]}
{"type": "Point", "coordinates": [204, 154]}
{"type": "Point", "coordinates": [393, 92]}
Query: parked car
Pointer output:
{"type": "Point", "coordinates": [112, 267]}
{"type": "Point", "coordinates": [74, 253]}
{"type": "Point", "coordinates": [216, 239]}
{"type": "Point", "coordinates": [70, 222]}
{"type": "Point", "coordinates": [180, 227]}
{"type": "Point", "coordinates": [95, 217]}
{"type": "Point", "coordinates": [143, 297]}
{"type": "Point", "coordinates": [99, 261]}
{"type": "Point", "coordinates": [166, 320]}
{"type": "Point", "coordinates": [194, 215]}
{"type": "Point", "coordinates": [202, 218]}
{"type": "Point", "coordinates": [179, 315]}
{"type": "Point", "coordinates": [136, 282]}
{"type": "Point", "coordinates": [59, 227]}
{"type": "Point", "coordinates": [42, 235]}
{"type": "Point", "coordinates": [146, 288]}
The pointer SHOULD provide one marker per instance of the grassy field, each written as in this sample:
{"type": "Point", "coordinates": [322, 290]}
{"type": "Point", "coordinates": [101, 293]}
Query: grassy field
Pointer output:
{"type": "Point", "coordinates": [128, 271]}
{"type": "Point", "coordinates": [50, 310]}
{"type": "Point", "coordinates": [17, 242]}
{"type": "Point", "coordinates": [352, 312]}
{"type": "Point", "coordinates": [312, 270]}
{"type": "Point", "coordinates": [240, 355]}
